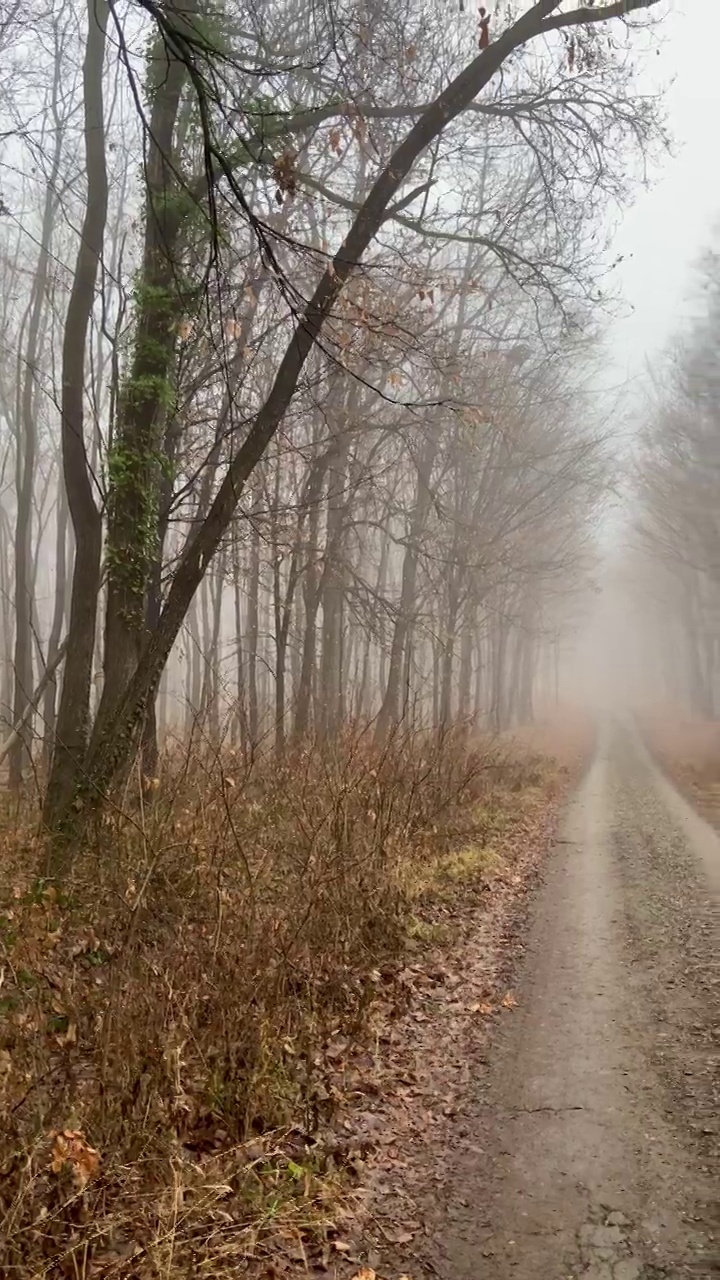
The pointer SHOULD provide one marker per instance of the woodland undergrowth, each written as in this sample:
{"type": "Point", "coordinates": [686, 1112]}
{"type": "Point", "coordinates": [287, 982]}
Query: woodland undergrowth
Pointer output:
{"type": "Point", "coordinates": [174, 1013]}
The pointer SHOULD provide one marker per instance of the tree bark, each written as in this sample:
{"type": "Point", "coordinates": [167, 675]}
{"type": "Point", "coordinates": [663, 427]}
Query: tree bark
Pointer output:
{"type": "Point", "coordinates": [26, 448]}
{"type": "Point", "coordinates": [253, 625]}
{"type": "Point", "coordinates": [73, 714]}
{"type": "Point", "coordinates": [134, 465]}
{"type": "Point", "coordinates": [58, 620]}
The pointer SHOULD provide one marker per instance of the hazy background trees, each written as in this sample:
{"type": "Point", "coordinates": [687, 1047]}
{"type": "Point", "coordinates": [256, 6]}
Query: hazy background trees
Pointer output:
{"type": "Point", "coordinates": [677, 547]}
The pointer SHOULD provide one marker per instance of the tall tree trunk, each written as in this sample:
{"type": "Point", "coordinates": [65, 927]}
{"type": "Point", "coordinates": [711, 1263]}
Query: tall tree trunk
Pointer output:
{"type": "Point", "coordinates": [312, 588]}
{"type": "Point", "coordinates": [73, 714]}
{"type": "Point", "coordinates": [253, 624]}
{"type": "Point", "coordinates": [134, 464]}
{"type": "Point", "coordinates": [24, 604]}
{"type": "Point", "coordinates": [6, 597]}
{"type": "Point", "coordinates": [311, 598]}
{"type": "Point", "coordinates": [333, 593]}
{"type": "Point", "coordinates": [241, 713]}
{"type": "Point", "coordinates": [448, 653]}
{"type": "Point", "coordinates": [212, 619]}
{"type": "Point", "coordinates": [465, 674]}
{"type": "Point", "coordinates": [527, 675]}
{"type": "Point", "coordinates": [58, 620]}
{"type": "Point", "coordinates": [511, 678]}
{"type": "Point", "coordinates": [390, 709]}
{"type": "Point", "coordinates": [478, 695]}
{"type": "Point", "coordinates": [193, 684]}
{"type": "Point", "coordinates": [498, 648]}
{"type": "Point", "coordinates": [26, 447]}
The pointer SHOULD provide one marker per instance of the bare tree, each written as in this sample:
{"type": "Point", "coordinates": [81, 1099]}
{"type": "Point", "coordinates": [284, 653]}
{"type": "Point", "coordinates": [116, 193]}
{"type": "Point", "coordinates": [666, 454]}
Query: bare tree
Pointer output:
{"type": "Point", "coordinates": [302, 362]}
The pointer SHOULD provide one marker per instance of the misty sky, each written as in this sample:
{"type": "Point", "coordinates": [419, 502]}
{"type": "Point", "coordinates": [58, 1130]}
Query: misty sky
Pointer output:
{"type": "Point", "coordinates": [669, 225]}
{"type": "Point", "coordinates": [661, 237]}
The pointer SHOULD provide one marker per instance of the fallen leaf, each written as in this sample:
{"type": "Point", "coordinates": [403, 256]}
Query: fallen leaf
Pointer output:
{"type": "Point", "coordinates": [365, 1273]}
{"type": "Point", "coordinates": [70, 1147]}
{"type": "Point", "coordinates": [69, 1036]}
{"type": "Point", "coordinates": [508, 1001]}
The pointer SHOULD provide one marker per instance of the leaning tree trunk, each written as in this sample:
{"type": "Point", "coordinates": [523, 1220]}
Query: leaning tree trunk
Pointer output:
{"type": "Point", "coordinates": [73, 713]}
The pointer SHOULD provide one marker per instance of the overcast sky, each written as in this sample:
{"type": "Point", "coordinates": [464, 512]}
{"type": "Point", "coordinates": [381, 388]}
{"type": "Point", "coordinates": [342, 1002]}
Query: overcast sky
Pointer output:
{"type": "Point", "coordinates": [669, 226]}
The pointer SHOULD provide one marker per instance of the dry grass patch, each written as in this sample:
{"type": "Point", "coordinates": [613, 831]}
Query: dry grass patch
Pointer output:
{"type": "Point", "coordinates": [173, 1012]}
{"type": "Point", "coordinates": [688, 749]}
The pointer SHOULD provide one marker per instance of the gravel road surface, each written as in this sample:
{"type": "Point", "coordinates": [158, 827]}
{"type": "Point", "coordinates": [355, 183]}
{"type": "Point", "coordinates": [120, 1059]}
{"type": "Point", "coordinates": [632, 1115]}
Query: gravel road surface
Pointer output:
{"type": "Point", "coordinates": [596, 1123]}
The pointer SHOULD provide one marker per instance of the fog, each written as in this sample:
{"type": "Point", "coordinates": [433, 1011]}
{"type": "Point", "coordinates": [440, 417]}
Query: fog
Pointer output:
{"type": "Point", "coordinates": [285, 453]}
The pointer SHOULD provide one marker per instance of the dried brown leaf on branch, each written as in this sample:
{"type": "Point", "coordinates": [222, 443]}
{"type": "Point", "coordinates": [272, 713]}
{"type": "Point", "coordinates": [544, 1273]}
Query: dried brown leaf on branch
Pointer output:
{"type": "Point", "coordinates": [285, 174]}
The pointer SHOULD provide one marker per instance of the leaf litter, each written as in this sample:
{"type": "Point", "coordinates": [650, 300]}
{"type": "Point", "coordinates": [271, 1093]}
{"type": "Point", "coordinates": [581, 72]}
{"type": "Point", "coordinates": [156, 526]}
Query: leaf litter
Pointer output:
{"type": "Point", "coordinates": [425, 1065]}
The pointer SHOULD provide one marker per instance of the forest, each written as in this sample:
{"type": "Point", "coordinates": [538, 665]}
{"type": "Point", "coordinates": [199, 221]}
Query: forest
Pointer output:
{"type": "Point", "coordinates": [262, 481]}
{"type": "Point", "coordinates": [302, 470]}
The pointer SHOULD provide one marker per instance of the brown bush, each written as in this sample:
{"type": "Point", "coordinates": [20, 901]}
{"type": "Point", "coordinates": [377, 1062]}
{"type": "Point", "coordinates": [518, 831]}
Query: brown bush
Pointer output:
{"type": "Point", "coordinates": [174, 1003]}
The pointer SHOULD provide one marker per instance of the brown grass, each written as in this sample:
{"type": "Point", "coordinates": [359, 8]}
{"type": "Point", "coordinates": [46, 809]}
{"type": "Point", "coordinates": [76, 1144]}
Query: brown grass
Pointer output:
{"type": "Point", "coordinates": [174, 1005]}
{"type": "Point", "coordinates": [688, 749]}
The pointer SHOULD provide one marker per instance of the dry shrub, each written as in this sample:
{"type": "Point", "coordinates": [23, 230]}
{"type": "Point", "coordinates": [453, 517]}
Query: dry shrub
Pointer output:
{"type": "Point", "coordinates": [174, 1003]}
{"type": "Point", "coordinates": [565, 734]}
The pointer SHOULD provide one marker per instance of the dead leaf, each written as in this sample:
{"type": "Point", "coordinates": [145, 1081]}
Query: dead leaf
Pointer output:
{"type": "Point", "coordinates": [70, 1147]}
{"type": "Point", "coordinates": [508, 1001]}
{"type": "Point", "coordinates": [484, 1009]}
{"type": "Point", "coordinates": [69, 1036]}
{"type": "Point", "coordinates": [365, 1273]}
{"type": "Point", "coordinates": [285, 174]}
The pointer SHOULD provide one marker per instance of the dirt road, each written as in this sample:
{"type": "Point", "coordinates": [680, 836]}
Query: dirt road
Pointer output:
{"type": "Point", "coordinates": [595, 1127]}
